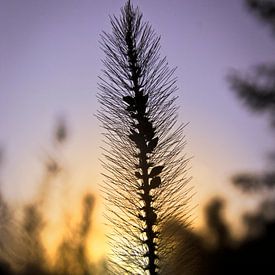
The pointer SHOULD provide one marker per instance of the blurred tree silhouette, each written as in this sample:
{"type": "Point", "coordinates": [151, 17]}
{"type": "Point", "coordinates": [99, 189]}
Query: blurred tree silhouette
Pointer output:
{"type": "Point", "coordinates": [264, 9]}
{"type": "Point", "coordinates": [145, 169]}
{"type": "Point", "coordinates": [219, 253]}
{"type": "Point", "coordinates": [254, 253]}
{"type": "Point", "coordinates": [257, 92]}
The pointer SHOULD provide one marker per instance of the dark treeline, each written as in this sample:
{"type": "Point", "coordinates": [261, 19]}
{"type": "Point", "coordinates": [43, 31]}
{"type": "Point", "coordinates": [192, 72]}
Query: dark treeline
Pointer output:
{"type": "Point", "coordinates": [251, 255]}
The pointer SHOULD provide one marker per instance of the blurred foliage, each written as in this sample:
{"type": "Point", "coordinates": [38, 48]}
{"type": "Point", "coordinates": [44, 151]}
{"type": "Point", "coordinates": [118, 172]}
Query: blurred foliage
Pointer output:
{"type": "Point", "coordinates": [72, 254]}
{"type": "Point", "coordinates": [22, 250]}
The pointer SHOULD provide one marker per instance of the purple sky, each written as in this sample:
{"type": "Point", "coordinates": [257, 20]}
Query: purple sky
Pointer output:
{"type": "Point", "coordinates": [50, 60]}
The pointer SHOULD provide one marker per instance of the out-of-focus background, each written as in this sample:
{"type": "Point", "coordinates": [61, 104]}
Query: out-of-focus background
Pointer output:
{"type": "Point", "coordinates": [50, 138]}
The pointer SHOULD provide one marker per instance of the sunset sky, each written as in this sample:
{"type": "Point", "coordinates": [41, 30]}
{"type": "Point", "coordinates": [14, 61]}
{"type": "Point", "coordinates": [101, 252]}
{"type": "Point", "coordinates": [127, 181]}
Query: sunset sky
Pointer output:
{"type": "Point", "coordinates": [49, 67]}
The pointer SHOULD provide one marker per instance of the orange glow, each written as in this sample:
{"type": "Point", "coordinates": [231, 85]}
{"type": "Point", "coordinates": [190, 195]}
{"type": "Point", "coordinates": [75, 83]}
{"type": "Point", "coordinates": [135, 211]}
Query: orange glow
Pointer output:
{"type": "Point", "coordinates": [63, 219]}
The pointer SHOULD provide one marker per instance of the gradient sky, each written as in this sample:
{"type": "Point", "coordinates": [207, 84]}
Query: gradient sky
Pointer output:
{"type": "Point", "coordinates": [50, 60]}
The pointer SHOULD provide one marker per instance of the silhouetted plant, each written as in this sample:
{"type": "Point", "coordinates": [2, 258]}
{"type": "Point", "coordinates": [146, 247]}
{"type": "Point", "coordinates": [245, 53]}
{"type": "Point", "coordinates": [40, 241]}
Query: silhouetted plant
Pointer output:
{"type": "Point", "coordinates": [145, 169]}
